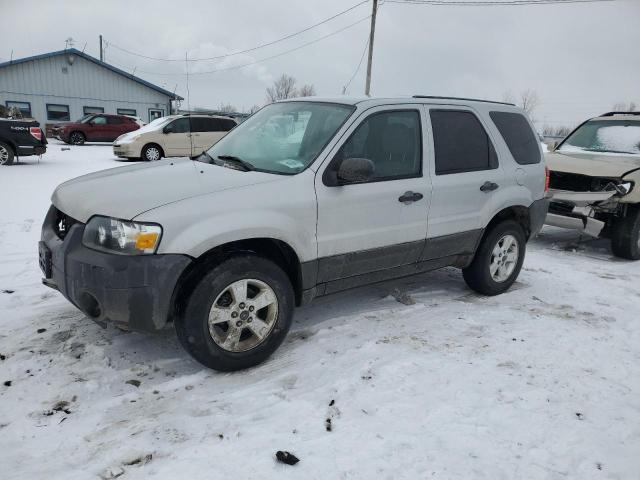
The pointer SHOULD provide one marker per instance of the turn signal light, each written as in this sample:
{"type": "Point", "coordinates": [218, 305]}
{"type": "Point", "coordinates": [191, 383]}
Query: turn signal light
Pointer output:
{"type": "Point", "coordinates": [146, 240]}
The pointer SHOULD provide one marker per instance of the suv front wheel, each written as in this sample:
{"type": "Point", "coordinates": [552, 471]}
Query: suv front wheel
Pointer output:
{"type": "Point", "coordinates": [237, 314]}
{"type": "Point", "coordinates": [625, 237]}
{"type": "Point", "coordinates": [498, 260]}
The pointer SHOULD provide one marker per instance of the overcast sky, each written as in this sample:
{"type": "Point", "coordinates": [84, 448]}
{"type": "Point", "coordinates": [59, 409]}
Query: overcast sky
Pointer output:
{"type": "Point", "coordinates": [580, 58]}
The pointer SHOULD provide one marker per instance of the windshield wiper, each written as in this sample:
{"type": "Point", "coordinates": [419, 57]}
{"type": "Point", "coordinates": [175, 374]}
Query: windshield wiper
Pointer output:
{"type": "Point", "coordinates": [237, 161]}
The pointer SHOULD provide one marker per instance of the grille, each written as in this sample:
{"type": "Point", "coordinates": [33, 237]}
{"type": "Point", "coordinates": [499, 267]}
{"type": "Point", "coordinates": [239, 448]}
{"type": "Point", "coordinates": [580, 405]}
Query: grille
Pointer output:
{"type": "Point", "coordinates": [63, 224]}
{"type": "Point", "coordinates": [580, 183]}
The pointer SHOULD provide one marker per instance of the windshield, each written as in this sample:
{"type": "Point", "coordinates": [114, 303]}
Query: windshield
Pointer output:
{"type": "Point", "coordinates": [282, 137]}
{"type": "Point", "coordinates": [85, 118]}
{"type": "Point", "coordinates": [614, 136]}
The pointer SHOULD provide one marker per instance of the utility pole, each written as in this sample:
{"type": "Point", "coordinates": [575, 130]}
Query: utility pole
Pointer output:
{"type": "Point", "coordinates": [101, 57]}
{"type": "Point", "coordinates": [367, 87]}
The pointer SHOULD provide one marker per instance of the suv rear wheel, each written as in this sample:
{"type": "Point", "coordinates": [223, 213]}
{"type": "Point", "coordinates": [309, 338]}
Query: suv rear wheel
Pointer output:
{"type": "Point", "coordinates": [625, 236]}
{"type": "Point", "coordinates": [6, 154]}
{"type": "Point", "coordinates": [498, 259]}
{"type": "Point", "coordinates": [77, 138]}
{"type": "Point", "coordinates": [237, 314]}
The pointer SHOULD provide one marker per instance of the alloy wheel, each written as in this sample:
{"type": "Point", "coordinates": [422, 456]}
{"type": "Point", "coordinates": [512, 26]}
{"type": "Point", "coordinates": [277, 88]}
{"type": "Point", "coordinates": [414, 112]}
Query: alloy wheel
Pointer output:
{"type": "Point", "coordinates": [4, 155]}
{"type": "Point", "coordinates": [504, 258]}
{"type": "Point", "coordinates": [152, 154]}
{"type": "Point", "coordinates": [243, 315]}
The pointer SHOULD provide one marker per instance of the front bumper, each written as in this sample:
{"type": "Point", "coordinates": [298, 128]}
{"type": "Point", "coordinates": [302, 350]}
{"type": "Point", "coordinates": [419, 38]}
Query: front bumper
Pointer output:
{"type": "Point", "coordinates": [574, 210]}
{"type": "Point", "coordinates": [125, 150]}
{"type": "Point", "coordinates": [131, 291]}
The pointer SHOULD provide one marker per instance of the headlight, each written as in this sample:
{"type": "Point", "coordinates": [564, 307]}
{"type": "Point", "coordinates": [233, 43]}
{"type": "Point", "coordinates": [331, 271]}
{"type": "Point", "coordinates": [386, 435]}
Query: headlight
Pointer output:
{"type": "Point", "coordinates": [128, 139]}
{"type": "Point", "coordinates": [121, 236]}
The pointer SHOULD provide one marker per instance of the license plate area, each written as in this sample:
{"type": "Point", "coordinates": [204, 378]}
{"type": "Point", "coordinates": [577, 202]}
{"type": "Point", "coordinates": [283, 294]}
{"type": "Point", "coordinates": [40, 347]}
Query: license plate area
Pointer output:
{"type": "Point", "coordinates": [44, 255]}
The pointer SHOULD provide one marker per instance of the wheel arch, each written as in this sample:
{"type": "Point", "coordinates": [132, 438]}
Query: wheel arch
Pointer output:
{"type": "Point", "coordinates": [278, 251]}
{"type": "Point", "coordinates": [518, 213]}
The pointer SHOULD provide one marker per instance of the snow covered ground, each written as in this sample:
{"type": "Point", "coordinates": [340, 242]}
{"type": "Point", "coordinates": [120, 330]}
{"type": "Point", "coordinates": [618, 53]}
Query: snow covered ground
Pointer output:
{"type": "Point", "coordinates": [542, 382]}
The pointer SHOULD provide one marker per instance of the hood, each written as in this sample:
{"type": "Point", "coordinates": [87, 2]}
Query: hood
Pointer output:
{"type": "Point", "coordinates": [126, 192]}
{"type": "Point", "coordinates": [592, 164]}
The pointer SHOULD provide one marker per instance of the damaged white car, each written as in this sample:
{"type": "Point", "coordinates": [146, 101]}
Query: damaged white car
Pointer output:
{"type": "Point", "coordinates": [595, 181]}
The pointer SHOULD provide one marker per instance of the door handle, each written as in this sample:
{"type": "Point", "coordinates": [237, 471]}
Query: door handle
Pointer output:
{"type": "Point", "coordinates": [489, 187]}
{"type": "Point", "coordinates": [409, 197]}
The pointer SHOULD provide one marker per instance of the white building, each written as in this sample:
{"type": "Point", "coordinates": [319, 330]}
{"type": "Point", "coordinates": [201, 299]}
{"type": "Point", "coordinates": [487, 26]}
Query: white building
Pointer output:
{"type": "Point", "coordinates": [65, 85]}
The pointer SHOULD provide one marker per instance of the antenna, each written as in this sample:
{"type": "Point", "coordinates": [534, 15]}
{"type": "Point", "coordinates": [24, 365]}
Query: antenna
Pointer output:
{"type": "Point", "coordinates": [186, 61]}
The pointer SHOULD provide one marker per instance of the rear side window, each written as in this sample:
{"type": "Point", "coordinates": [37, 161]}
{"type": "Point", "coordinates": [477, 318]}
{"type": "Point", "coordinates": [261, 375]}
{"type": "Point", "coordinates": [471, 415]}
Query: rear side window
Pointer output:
{"type": "Point", "coordinates": [114, 121]}
{"type": "Point", "coordinates": [199, 124]}
{"type": "Point", "coordinates": [181, 125]}
{"type": "Point", "coordinates": [461, 143]}
{"type": "Point", "coordinates": [519, 137]}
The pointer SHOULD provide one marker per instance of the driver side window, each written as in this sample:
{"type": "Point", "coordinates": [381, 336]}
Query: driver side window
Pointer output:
{"type": "Point", "coordinates": [391, 140]}
{"type": "Point", "coordinates": [181, 125]}
{"type": "Point", "coordinates": [99, 121]}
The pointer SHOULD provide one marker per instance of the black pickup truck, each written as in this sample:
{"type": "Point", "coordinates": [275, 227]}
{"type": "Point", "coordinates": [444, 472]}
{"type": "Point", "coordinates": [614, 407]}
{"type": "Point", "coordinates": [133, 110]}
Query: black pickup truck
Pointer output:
{"type": "Point", "coordinates": [20, 138]}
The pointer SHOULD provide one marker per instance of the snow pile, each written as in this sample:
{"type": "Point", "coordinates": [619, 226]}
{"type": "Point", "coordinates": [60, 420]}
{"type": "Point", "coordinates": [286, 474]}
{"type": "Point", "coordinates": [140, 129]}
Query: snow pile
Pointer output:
{"type": "Point", "coordinates": [418, 378]}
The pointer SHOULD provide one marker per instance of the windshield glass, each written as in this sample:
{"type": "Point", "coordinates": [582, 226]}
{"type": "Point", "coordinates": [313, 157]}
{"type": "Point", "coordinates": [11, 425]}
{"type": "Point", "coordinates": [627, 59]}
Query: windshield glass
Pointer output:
{"type": "Point", "coordinates": [85, 118]}
{"type": "Point", "coordinates": [614, 136]}
{"type": "Point", "coordinates": [282, 137]}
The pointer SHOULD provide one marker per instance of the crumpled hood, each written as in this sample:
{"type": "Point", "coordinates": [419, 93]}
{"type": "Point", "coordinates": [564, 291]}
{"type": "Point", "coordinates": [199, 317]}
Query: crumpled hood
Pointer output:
{"type": "Point", "coordinates": [592, 164]}
{"type": "Point", "coordinates": [128, 191]}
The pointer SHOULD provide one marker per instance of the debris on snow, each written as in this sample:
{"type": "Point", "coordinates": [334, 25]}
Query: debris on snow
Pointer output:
{"type": "Point", "coordinates": [141, 460]}
{"type": "Point", "coordinates": [286, 457]}
{"type": "Point", "coordinates": [7, 383]}
{"type": "Point", "coordinates": [8, 291]}
{"type": "Point", "coordinates": [111, 473]}
{"type": "Point", "coordinates": [41, 330]}
{"type": "Point", "coordinates": [402, 297]}
{"type": "Point", "coordinates": [134, 382]}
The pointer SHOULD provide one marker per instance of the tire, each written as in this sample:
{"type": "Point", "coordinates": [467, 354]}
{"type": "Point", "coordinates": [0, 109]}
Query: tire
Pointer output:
{"type": "Point", "coordinates": [478, 275]}
{"type": "Point", "coordinates": [625, 235]}
{"type": "Point", "coordinates": [151, 152]}
{"type": "Point", "coordinates": [77, 138]}
{"type": "Point", "coordinates": [6, 154]}
{"type": "Point", "coordinates": [215, 345]}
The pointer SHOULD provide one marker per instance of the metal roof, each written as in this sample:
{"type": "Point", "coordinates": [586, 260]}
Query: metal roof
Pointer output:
{"type": "Point", "coordinates": [97, 62]}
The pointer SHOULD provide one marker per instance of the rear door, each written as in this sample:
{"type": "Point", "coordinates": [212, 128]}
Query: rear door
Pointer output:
{"type": "Point", "coordinates": [380, 224]}
{"type": "Point", "coordinates": [465, 174]}
{"type": "Point", "coordinates": [176, 138]}
{"type": "Point", "coordinates": [206, 131]}
{"type": "Point", "coordinates": [114, 128]}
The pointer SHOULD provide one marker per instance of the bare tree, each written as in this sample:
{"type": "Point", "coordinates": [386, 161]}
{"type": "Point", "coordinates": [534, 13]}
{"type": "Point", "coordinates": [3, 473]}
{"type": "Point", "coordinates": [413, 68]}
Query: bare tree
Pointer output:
{"type": "Point", "coordinates": [254, 109]}
{"type": "Point", "coordinates": [507, 97]}
{"type": "Point", "coordinates": [559, 131]}
{"type": "Point", "coordinates": [227, 108]}
{"type": "Point", "coordinates": [283, 88]}
{"type": "Point", "coordinates": [529, 101]}
{"type": "Point", "coordinates": [307, 90]}
{"type": "Point", "coordinates": [625, 107]}
{"type": "Point", "coordinates": [4, 113]}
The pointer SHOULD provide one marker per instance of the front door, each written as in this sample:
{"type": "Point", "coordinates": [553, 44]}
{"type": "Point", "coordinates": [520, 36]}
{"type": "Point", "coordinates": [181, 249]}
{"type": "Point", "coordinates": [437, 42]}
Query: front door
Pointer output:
{"type": "Point", "coordinates": [97, 131]}
{"type": "Point", "coordinates": [466, 174]}
{"type": "Point", "coordinates": [380, 224]}
{"type": "Point", "coordinates": [176, 138]}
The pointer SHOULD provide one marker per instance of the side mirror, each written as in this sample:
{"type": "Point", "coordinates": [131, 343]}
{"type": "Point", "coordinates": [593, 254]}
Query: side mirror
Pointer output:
{"type": "Point", "coordinates": [355, 170]}
{"type": "Point", "coordinates": [167, 129]}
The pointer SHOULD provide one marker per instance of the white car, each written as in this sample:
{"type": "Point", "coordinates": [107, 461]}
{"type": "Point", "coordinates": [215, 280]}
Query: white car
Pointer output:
{"type": "Point", "coordinates": [173, 136]}
{"type": "Point", "coordinates": [303, 199]}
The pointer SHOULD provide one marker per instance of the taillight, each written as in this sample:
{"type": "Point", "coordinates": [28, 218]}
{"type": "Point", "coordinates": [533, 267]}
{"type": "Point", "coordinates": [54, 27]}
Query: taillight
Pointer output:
{"type": "Point", "coordinates": [547, 178]}
{"type": "Point", "coordinates": [36, 133]}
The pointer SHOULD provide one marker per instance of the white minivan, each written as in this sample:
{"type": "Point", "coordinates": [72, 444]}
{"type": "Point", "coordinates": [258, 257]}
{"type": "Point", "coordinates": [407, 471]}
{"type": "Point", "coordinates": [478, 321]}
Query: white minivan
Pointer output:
{"type": "Point", "coordinates": [173, 136]}
{"type": "Point", "coordinates": [303, 199]}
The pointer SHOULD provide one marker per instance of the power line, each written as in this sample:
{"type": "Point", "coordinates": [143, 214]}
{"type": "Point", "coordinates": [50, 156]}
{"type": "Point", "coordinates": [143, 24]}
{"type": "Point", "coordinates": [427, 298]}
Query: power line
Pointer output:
{"type": "Point", "coordinates": [257, 47]}
{"type": "Point", "coordinates": [364, 51]}
{"type": "Point", "coordinates": [489, 3]}
{"type": "Point", "coordinates": [236, 67]}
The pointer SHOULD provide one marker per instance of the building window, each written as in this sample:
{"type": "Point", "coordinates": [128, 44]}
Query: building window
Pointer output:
{"type": "Point", "coordinates": [127, 111]}
{"type": "Point", "coordinates": [155, 113]}
{"type": "Point", "coordinates": [24, 107]}
{"type": "Point", "coordinates": [58, 112]}
{"type": "Point", "coordinates": [90, 110]}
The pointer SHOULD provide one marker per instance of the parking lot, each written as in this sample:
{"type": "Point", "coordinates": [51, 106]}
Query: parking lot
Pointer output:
{"type": "Point", "coordinates": [436, 381]}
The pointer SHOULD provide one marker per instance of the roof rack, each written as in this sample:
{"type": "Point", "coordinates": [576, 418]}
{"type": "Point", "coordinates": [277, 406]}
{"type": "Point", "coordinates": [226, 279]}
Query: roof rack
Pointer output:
{"type": "Point", "coordinates": [611, 114]}
{"type": "Point", "coordinates": [462, 98]}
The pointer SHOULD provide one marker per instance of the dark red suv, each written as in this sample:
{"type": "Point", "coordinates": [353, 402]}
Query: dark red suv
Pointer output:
{"type": "Point", "coordinates": [99, 127]}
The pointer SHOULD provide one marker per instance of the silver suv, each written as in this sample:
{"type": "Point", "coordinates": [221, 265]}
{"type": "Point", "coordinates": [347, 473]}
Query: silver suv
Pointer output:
{"type": "Point", "coordinates": [305, 198]}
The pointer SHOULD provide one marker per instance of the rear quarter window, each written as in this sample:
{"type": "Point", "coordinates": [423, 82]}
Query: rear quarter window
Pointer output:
{"type": "Point", "coordinates": [518, 135]}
